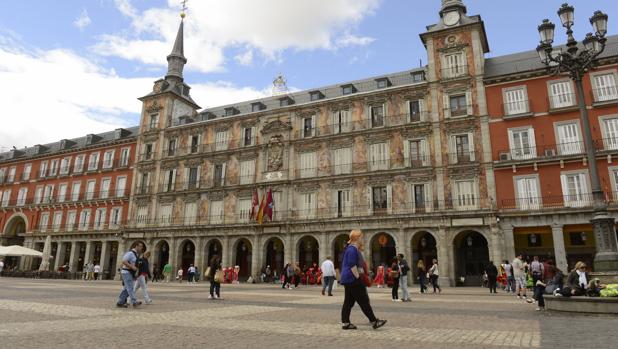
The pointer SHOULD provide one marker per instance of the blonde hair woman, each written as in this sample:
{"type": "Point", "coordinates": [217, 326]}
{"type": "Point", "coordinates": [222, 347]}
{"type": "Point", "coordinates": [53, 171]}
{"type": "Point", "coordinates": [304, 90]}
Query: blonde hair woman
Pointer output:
{"type": "Point", "coordinates": [353, 271]}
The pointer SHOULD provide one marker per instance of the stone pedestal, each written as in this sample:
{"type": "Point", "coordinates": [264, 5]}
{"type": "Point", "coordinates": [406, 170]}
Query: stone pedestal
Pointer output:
{"type": "Point", "coordinates": [559, 250]}
{"type": "Point", "coordinates": [604, 228]}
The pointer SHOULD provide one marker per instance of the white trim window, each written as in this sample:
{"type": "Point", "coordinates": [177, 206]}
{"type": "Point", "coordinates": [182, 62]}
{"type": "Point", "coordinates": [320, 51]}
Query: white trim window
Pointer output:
{"type": "Point", "coordinates": [142, 216]}
{"type": "Point", "coordinates": [25, 175]}
{"type": "Point", "coordinates": [307, 205]}
{"type": "Point", "coordinates": [605, 87]}
{"type": "Point", "coordinates": [44, 221]}
{"type": "Point", "coordinates": [247, 171]}
{"type": "Point", "coordinates": [11, 176]}
{"type": "Point", "coordinates": [165, 214]}
{"type": "Point", "coordinates": [93, 162]}
{"type": "Point", "coordinates": [415, 109]}
{"type": "Point", "coordinates": [172, 146]}
{"type": "Point", "coordinates": [380, 199]}
{"type": "Point", "coordinates": [57, 221]}
{"type": "Point", "coordinates": [527, 189]}
{"type": "Point", "coordinates": [75, 191]}
{"type": "Point", "coordinates": [53, 167]}
{"type": "Point", "coordinates": [90, 187]}
{"type": "Point", "coordinates": [561, 94]}
{"type": "Point", "coordinates": [515, 101]}
{"type": "Point", "coordinates": [377, 113]}
{"type": "Point", "coordinates": [308, 164]}
{"type": "Point", "coordinates": [62, 192]}
{"type": "Point", "coordinates": [48, 194]}
{"type": "Point", "coordinates": [106, 183]}
{"type": "Point", "coordinates": [341, 121]}
{"type": "Point", "coordinates": [421, 197]}
{"type": "Point", "coordinates": [466, 198]}
{"type": "Point", "coordinates": [216, 212]}
{"type": "Point", "coordinates": [38, 194]}
{"type": "Point", "coordinates": [249, 136]}
{"type": "Point", "coordinates": [21, 196]}
{"type": "Point", "coordinates": [65, 165]}
{"type": "Point", "coordinates": [84, 219]}
{"type": "Point", "coordinates": [522, 143]}
{"type": "Point", "coordinates": [342, 160]}
{"type": "Point", "coordinates": [575, 189]}
{"type": "Point", "coordinates": [153, 122]}
{"type": "Point", "coordinates": [6, 196]}
{"type": "Point", "coordinates": [219, 174]}
{"type": "Point", "coordinates": [190, 216]}
{"type": "Point", "coordinates": [454, 65]}
{"type": "Point", "coordinates": [194, 143]}
{"type": "Point", "coordinates": [115, 217]}
{"type": "Point", "coordinates": [69, 225]}
{"type": "Point", "coordinates": [221, 140]}
{"type": "Point", "coordinates": [378, 156]}
{"type": "Point", "coordinates": [2, 174]}
{"type": "Point", "coordinates": [121, 183]}
{"type": "Point", "coordinates": [169, 180]}
{"type": "Point", "coordinates": [462, 148]}
{"type": "Point", "coordinates": [43, 169]}
{"type": "Point", "coordinates": [78, 166]}
{"type": "Point", "coordinates": [99, 218]}
{"type": "Point", "coordinates": [569, 141]}
{"type": "Point", "coordinates": [108, 159]}
{"type": "Point", "coordinates": [416, 153]}
{"type": "Point", "coordinates": [307, 126]}
{"type": "Point", "coordinates": [192, 177]}
{"type": "Point", "coordinates": [458, 104]}
{"type": "Point", "coordinates": [342, 203]}
{"type": "Point", "coordinates": [124, 156]}
{"type": "Point", "coordinates": [610, 133]}
{"type": "Point", "coordinates": [244, 209]}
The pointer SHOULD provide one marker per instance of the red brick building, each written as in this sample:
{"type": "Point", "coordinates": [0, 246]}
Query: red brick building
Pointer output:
{"type": "Point", "coordinates": [543, 187]}
{"type": "Point", "coordinates": [75, 191]}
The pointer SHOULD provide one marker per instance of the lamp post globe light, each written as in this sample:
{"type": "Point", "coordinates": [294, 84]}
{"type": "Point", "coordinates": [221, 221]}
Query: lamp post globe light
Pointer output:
{"type": "Point", "coordinates": [575, 61]}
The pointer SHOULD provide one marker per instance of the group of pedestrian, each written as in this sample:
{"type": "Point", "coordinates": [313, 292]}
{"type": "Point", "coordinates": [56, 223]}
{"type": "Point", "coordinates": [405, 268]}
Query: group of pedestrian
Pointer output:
{"type": "Point", "coordinates": [134, 271]}
{"type": "Point", "coordinates": [92, 271]}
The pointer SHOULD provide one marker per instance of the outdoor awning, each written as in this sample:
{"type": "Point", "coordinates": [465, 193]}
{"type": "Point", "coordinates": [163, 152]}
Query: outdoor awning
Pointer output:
{"type": "Point", "coordinates": [19, 251]}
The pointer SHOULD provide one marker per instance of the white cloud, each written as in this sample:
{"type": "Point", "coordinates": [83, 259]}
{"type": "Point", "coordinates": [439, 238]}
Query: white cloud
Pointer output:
{"type": "Point", "coordinates": [83, 20]}
{"type": "Point", "coordinates": [245, 58]}
{"type": "Point", "coordinates": [212, 26]}
{"type": "Point", "coordinates": [57, 94]}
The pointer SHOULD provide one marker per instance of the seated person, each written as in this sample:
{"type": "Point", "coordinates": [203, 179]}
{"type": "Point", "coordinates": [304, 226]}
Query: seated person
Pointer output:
{"type": "Point", "coordinates": [556, 282]}
{"type": "Point", "coordinates": [594, 288]}
{"type": "Point", "coordinates": [577, 282]}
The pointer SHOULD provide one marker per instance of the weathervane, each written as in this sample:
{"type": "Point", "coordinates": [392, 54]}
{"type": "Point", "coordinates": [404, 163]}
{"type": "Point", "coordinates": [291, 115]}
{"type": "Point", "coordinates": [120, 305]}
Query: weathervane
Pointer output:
{"type": "Point", "coordinates": [184, 9]}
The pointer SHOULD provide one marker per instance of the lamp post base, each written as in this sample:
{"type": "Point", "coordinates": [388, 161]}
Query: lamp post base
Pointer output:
{"type": "Point", "coordinates": [606, 258]}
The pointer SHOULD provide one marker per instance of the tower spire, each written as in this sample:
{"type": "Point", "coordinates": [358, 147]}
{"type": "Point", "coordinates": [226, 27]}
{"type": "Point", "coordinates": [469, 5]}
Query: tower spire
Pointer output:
{"type": "Point", "coordinates": [176, 60]}
{"type": "Point", "coordinates": [448, 4]}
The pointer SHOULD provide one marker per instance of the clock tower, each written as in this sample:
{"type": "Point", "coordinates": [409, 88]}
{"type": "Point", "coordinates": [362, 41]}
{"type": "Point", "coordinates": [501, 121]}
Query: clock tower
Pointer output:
{"type": "Point", "coordinates": [452, 11]}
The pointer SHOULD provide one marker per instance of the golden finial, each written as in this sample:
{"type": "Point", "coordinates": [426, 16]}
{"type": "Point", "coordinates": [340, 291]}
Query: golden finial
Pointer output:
{"type": "Point", "coordinates": [184, 9]}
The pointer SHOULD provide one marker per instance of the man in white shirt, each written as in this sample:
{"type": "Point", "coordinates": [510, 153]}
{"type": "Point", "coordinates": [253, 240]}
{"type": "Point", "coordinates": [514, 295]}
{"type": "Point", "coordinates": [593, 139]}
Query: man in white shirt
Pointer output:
{"type": "Point", "coordinates": [328, 276]}
{"type": "Point", "coordinates": [519, 274]}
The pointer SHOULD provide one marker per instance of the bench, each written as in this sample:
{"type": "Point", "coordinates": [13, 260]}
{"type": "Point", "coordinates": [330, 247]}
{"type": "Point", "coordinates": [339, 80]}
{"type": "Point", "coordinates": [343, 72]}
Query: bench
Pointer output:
{"type": "Point", "coordinates": [594, 305]}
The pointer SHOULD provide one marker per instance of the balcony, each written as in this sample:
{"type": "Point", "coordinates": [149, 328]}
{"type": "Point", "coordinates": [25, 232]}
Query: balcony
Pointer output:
{"type": "Point", "coordinates": [454, 72]}
{"type": "Point", "coordinates": [143, 190]}
{"type": "Point", "coordinates": [584, 200]}
{"type": "Point", "coordinates": [606, 144]}
{"type": "Point", "coordinates": [605, 95]}
{"type": "Point", "coordinates": [560, 102]}
{"type": "Point", "coordinates": [462, 157]}
{"type": "Point", "coordinates": [76, 227]}
{"type": "Point", "coordinates": [516, 109]}
{"type": "Point", "coordinates": [543, 152]}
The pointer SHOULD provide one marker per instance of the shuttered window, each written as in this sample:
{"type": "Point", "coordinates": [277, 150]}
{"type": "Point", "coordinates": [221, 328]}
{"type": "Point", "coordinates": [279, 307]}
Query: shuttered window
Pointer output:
{"type": "Point", "coordinates": [378, 157]}
{"type": "Point", "coordinates": [343, 161]}
{"type": "Point", "coordinates": [247, 171]}
{"type": "Point", "coordinates": [561, 94]}
{"type": "Point", "coordinates": [515, 101]}
{"type": "Point", "coordinates": [605, 87]}
{"type": "Point", "coordinates": [308, 166]}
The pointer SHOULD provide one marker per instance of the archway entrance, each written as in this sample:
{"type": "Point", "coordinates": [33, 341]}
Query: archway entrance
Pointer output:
{"type": "Point", "coordinates": [308, 252]}
{"type": "Point", "coordinates": [275, 255]}
{"type": "Point", "coordinates": [339, 245]}
{"type": "Point", "coordinates": [187, 256]}
{"type": "Point", "coordinates": [243, 257]}
{"type": "Point", "coordinates": [213, 247]}
{"type": "Point", "coordinates": [14, 235]}
{"type": "Point", "coordinates": [161, 255]}
{"type": "Point", "coordinates": [471, 257]}
{"type": "Point", "coordinates": [423, 248]}
{"type": "Point", "coordinates": [383, 250]}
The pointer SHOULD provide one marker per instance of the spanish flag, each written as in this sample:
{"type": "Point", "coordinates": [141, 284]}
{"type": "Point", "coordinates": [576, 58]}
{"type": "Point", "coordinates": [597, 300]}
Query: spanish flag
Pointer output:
{"type": "Point", "coordinates": [260, 214]}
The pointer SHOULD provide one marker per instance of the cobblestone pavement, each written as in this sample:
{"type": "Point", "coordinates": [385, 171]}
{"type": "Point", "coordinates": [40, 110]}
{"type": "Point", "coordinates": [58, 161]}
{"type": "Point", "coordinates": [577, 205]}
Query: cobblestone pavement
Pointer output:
{"type": "Point", "coordinates": [77, 314]}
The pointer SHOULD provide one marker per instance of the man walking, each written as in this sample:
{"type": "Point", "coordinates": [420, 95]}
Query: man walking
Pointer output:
{"type": "Point", "coordinates": [167, 271]}
{"type": "Point", "coordinates": [144, 273]}
{"type": "Point", "coordinates": [537, 270]}
{"type": "Point", "coordinates": [492, 275]}
{"type": "Point", "coordinates": [403, 277]}
{"type": "Point", "coordinates": [127, 273]}
{"type": "Point", "coordinates": [328, 276]}
{"type": "Point", "coordinates": [510, 280]}
{"type": "Point", "coordinates": [519, 274]}
{"type": "Point", "coordinates": [191, 274]}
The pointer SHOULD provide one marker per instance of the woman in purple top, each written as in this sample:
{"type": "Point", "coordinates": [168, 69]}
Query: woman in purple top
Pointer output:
{"type": "Point", "coordinates": [352, 266]}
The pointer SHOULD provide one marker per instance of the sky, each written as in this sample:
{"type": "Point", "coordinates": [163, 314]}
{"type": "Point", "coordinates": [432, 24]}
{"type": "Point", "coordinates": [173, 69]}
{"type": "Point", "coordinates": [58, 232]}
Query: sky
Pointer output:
{"type": "Point", "coordinates": [70, 67]}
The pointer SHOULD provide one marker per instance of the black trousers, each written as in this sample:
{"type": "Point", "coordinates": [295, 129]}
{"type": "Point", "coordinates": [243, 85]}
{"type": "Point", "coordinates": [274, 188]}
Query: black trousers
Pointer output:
{"type": "Point", "coordinates": [356, 293]}
{"type": "Point", "coordinates": [492, 284]}
{"type": "Point", "coordinates": [538, 295]}
{"type": "Point", "coordinates": [395, 290]}
{"type": "Point", "coordinates": [215, 288]}
{"type": "Point", "coordinates": [296, 280]}
{"type": "Point", "coordinates": [286, 281]}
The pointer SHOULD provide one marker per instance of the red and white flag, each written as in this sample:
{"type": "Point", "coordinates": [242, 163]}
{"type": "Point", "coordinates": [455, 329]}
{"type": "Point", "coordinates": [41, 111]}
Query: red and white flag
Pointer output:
{"type": "Point", "coordinates": [255, 204]}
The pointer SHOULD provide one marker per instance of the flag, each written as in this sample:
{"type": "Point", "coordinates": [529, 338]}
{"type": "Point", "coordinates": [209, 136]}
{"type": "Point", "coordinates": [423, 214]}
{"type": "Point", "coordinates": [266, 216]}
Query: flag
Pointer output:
{"type": "Point", "coordinates": [255, 205]}
{"type": "Point", "coordinates": [260, 214]}
{"type": "Point", "coordinates": [269, 206]}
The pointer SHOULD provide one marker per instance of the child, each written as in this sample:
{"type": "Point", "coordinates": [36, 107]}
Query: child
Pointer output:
{"type": "Point", "coordinates": [179, 275]}
{"type": "Point", "coordinates": [379, 279]}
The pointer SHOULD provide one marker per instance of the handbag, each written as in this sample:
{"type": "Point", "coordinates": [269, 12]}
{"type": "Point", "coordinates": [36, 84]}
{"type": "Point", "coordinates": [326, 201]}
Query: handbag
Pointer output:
{"type": "Point", "coordinates": [218, 276]}
{"type": "Point", "coordinates": [394, 274]}
{"type": "Point", "coordinates": [365, 277]}
{"type": "Point", "coordinates": [207, 272]}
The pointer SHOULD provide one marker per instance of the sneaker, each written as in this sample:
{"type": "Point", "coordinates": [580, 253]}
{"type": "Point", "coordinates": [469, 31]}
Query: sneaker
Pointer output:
{"type": "Point", "coordinates": [210, 297]}
{"type": "Point", "coordinates": [348, 327]}
{"type": "Point", "coordinates": [530, 300]}
{"type": "Point", "coordinates": [518, 297]}
{"type": "Point", "coordinates": [378, 323]}
{"type": "Point", "coordinates": [216, 297]}
{"type": "Point", "coordinates": [135, 305]}
{"type": "Point", "coordinates": [539, 308]}
{"type": "Point", "coordinates": [121, 305]}
{"type": "Point", "coordinates": [148, 302]}
{"type": "Point", "coordinates": [330, 295]}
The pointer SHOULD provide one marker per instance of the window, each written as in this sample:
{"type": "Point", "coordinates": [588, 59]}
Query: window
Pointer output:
{"type": "Point", "coordinates": [57, 220]}
{"type": "Point", "coordinates": [75, 191]}
{"type": "Point", "coordinates": [277, 204]}
{"type": "Point", "coordinates": [231, 111]}
{"type": "Point", "coordinates": [121, 183]}
{"type": "Point", "coordinates": [462, 147]}
{"type": "Point", "coordinates": [190, 216]}
{"type": "Point", "coordinates": [65, 164]}
{"type": "Point", "coordinates": [466, 195]}
{"type": "Point", "coordinates": [44, 222]}
{"type": "Point", "coordinates": [153, 122]}
{"type": "Point", "coordinates": [415, 108]}
{"type": "Point", "coordinates": [6, 196]}
{"type": "Point", "coordinates": [142, 215]}
{"type": "Point", "coordinates": [522, 143]}
{"type": "Point", "coordinates": [342, 161]}
{"type": "Point", "coordinates": [285, 101]}
{"type": "Point", "coordinates": [11, 177]}
{"type": "Point", "coordinates": [454, 65]}
{"type": "Point", "coordinates": [171, 147]}
{"type": "Point", "coordinates": [221, 140]}
{"type": "Point", "coordinates": [605, 87]}
{"type": "Point", "coordinates": [93, 162]}
{"type": "Point", "coordinates": [308, 126]}
{"type": "Point", "coordinates": [259, 106]}
{"type": "Point", "coordinates": [343, 203]}
{"type": "Point", "coordinates": [145, 184]}
{"type": "Point", "coordinates": [307, 205]}
{"type": "Point", "coordinates": [418, 77]}
{"type": "Point", "coordinates": [561, 95]}
{"type": "Point", "coordinates": [124, 157]}
{"type": "Point", "coordinates": [25, 174]}
{"type": "Point", "coordinates": [569, 142]}
{"type": "Point", "coordinates": [48, 194]}
{"type": "Point", "coordinates": [53, 167]}
{"type": "Point", "coordinates": [90, 189]}
{"type": "Point", "coordinates": [165, 214]}
{"type": "Point", "coordinates": [192, 177]}
{"type": "Point", "coordinates": [70, 223]}
{"type": "Point", "coordinates": [43, 169]}
{"type": "Point", "coordinates": [78, 167]}
{"type": "Point", "coordinates": [21, 196]}
{"type": "Point", "coordinates": [348, 89]}
{"type": "Point", "coordinates": [216, 212]}
{"type": "Point", "coordinates": [115, 216]}
{"type": "Point", "coordinates": [421, 197]}
{"type": "Point", "coordinates": [416, 153]}
{"type": "Point", "coordinates": [515, 101]}
{"type": "Point", "coordinates": [148, 151]}
{"type": "Point", "coordinates": [315, 95]}
{"type": "Point", "coordinates": [38, 194]}
{"type": "Point", "coordinates": [610, 133]}
{"type": "Point", "coordinates": [308, 165]}
{"type": "Point", "coordinates": [248, 136]}
{"type": "Point", "coordinates": [383, 83]}
{"type": "Point", "coordinates": [219, 175]}
{"type": "Point", "coordinates": [527, 189]}
{"type": "Point", "coordinates": [169, 180]}
{"type": "Point", "coordinates": [2, 173]}
{"type": "Point", "coordinates": [575, 189]}
{"type": "Point", "coordinates": [247, 171]}
{"type": "Point", "coordinates": [458, 105]}
{"type": "Point", "coordinates": [84, 219]}
{"type": "Point", "coordinates": [105, 184]}
{"type": "Point", "coordinates": [578, 238]}
{"type": "Point", "coordinates": [379, 200]}
{"type": "Point", "coordinates": [244, 210]}
{"type": "Point", "coordinates": [108, 159]}
{"type": "Point", "coordinates": [62, 192]}
{"type": "Point", "coordinates": [377, 115]}
{"type": "Point", "coordinates": [341, 121]}
{"type": "Point", "coordinates": [195, 144]}
{"type": "Point", "coordinates": [378, 157]}
{"type": "Point", "coordinates": [99, 218]}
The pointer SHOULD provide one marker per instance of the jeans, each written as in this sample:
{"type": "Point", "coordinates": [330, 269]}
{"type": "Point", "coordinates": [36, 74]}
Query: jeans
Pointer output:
{"type": "Point", "coordinates": [327, 281]}
{"type": "Point", "coordinates": [395, 290]}
{"type": "Point", "coordinates": [215, 288]}
{"type": "Point", "coordinates": [403, 283]}
{"type": "Point", "coordinates": [510, 284]}
{"type": "Point", "coordinates": [127, 289]}
{"type": "Point", "coordinates": [434, 283]}
{"type": "Point", "coordinates": [356, 293]}
{"type": "Point", "coordinates": [538, 295]}
{"type": "Point", "coordinates": [422, 279]}
{"type": "Point", "coordinates": [286, 281]}
{"type": "Point", "coordinates": [141, 283]}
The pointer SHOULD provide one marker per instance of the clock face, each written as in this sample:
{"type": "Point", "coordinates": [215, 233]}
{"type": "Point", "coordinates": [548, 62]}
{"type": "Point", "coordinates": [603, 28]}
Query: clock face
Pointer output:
{"type": "Point", "coordinates": [451, 18]}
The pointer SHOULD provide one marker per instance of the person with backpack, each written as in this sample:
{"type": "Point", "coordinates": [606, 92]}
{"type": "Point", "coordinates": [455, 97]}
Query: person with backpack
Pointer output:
{"type": "Point", "coordinates": [143, 276]}
{"type": "Point", "coordinates": [127, 273]}
{"type": "Point", "coordinates": [214, 266]}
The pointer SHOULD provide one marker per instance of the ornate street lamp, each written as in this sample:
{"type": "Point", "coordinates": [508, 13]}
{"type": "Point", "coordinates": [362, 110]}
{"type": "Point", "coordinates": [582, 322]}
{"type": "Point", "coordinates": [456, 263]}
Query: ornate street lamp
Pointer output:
{"type": "Point", "coordinates": [576, 61]}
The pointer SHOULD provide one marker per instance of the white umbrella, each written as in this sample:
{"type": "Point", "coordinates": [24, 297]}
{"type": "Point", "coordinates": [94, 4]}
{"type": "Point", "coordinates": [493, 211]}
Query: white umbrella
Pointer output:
{"type": "Point", "coordinates": [18, 251]}
{"type": "Point", "coordinates": [46, 254]}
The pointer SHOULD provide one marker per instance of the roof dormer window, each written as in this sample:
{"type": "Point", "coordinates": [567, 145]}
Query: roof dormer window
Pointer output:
{"type": "Point", "coordinates": [348, 89]}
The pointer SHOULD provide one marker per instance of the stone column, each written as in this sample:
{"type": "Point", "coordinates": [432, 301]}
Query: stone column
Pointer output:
{"type": "Point", "coordinates": [89, 255]}
{"type": "Point", "coordinates": [74, 257]}
{"type": "Point", "coordinates": [255, 258]}
{"type": "Point", "coordinates": [559, 250]}
{"type": "Point", "coordinates": [60, 254]}
{"type": "Point", "coordinates": [407, 252]}
{"type": "Point", "coordinates": [199, 256]}
{"type": "Point", "coordinates": [104, 259]}
{"type": "Point", "coordinates": [225, 251]}
{"type": "Point", "coordinates": [172, 257]}
{"type": "Point", "coordinates": [324, 247]}
{"type": "Point", "coordinates": [509, 242]}
{"type": "Point", "coordinates": [293, 258]}
{"type": "Point", "coordinates": [122, 246]}
{"type": "Point", "coordinates": [446, 264]}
